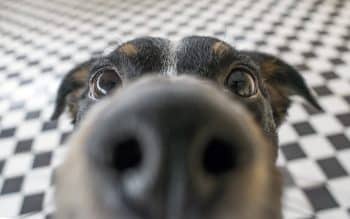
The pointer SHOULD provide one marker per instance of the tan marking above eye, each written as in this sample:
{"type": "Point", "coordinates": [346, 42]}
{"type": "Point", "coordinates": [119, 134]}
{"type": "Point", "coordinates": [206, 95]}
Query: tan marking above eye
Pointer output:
{"type": "Point", "coordinates": [81, 75]}
{"type": "Point", "coordinates": [220, 48]}
{"type": "Point", "coordinates": [128, 49]}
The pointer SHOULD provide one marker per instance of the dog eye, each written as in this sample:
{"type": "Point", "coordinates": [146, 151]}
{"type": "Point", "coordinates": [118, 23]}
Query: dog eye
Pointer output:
{"type": "Point", "coordinates": [103, 82]}
{"type": "Point", "coordinates": [241, 83]}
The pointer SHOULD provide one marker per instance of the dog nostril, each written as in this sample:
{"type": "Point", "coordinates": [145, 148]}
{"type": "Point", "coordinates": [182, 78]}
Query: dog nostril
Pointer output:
{"type": "Point", "coordinates": [219, 157]}
{"type": "Point", "coordinates": [127, 155]}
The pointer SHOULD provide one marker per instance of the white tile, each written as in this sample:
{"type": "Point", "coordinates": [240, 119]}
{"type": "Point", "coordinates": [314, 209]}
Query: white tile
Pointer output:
{"type": "Point", "coordinates": [295, 204]}
{"type": "Point", "coordinates": [344, 158]}
{"type": "Point", "coordinates": [317, 147]}
{"type": "Point", "coordinates": [339, 86]}
{"type": "Point", "coordinates": [7, 147]}
{"type": "Point", "coordinates": [46, 141]}
{"type": "Point", "coordinates": [59, 156]}
{"type": "Point", "coordinates": [334, 104]}
{"type": "Point", "coordinates": [281, 160]}
{"type": "Point", "coordinates": [12, 118]}
{"type": "Point", "coordinates": [340, 189]}
{"type": "Point", "coordinates": [10, 205]}
{"type": "Point", "coordinates": [18, 165]}
{"type": "Point", "coordinates": [297, 113]}
{"type": "Point", "coordinates": [333, 213]}
{"type": "Point", "coordinates": [287, 134]}
{"type": "Point", "coordinates": [306, 173]}
{"type": "Point", "coordinates": [37, 180]}
{"type": "Point", "coordinates": [313, 79]}
{"type": "Point", "coordinates": [320, 65]}
{"type": "Point", "coordinates": [326, 124]}
{"type": "Point", "coordinates": [29, 129]}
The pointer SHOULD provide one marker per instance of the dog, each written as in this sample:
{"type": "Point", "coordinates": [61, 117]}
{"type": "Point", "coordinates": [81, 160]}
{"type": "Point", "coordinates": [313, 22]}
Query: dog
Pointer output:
{"type": "Point", "coordinates": [179, 130]}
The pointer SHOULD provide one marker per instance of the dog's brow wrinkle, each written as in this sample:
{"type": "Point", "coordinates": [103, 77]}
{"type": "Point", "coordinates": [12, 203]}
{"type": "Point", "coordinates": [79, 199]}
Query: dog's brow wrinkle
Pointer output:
{"type": "Point", "coordinates": [170, 57]}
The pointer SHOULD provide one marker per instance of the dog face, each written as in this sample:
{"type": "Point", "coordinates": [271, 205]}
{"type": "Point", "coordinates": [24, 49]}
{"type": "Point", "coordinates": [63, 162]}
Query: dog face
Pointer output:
{"type": "Point", "coordinates": [136, 160]}
{"type": "Point", "coordinates": [181, 130]}
{"type": "Point", "coordinates": [261, 82]}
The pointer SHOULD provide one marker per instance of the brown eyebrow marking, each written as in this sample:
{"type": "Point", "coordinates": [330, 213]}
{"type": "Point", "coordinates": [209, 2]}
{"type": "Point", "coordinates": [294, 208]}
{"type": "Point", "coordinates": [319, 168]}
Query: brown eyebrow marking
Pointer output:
{"type": "Point", "coordinates": [128, 49]}
{"type": "Point", "coordinates": [81, 75]}
{"type": "Point", "coordinates": [220, 48]}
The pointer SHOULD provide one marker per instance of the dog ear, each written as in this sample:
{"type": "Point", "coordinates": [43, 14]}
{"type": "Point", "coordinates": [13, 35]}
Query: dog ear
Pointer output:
{"type": "Point", "coordinates": [281, 81]}
{"type": "Point", "coordinates": [71, 89]}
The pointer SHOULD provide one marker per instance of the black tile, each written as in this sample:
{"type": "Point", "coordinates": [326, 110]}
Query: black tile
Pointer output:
{"type": "Point", "coordinates": [331, 167]}
{"type": "Point", "coordinates": [21, 57]}
{"type": "Point", "coordinates": [309, 54]}
{"type": "Point", "coordinates": [64, 137]}
{"type": "Point", "coordinates": [288, 180]}
{"type": "Point", "coordinates": [24, 146]}
{"type": "Point", "coordinates": [33, 114]}
{"type": "Point", "coordinates": [25, 81]}
{"type": "Point", "coordinates": [316, 43]}
{"type": "Point", "coordinates": [320, 198]}
{"type": "Point", "coordinates": [32, 203]}
{"type": "Point", "coordinates": [17, 105]}
{"type": "Point", "coordinates": [65, 57]}
{"type": "Point", "coordinates": [342, 48]}
{"type": "Point", "coordinates": [344, 119]}
{"type": "Point", "coordinates": [292, 38]}
{"type": "Point", "coordinates": [336, 61]}
{"type": "Point", "coordinates": [347, 99]}
{"type": "Point", "coordinates": [7, 133]}
{"type": "Point", "coordinates": [283, 48]}
{"type": "Point", "coordinates": [33, 62]}
{"type": "Point", "coordinates": [304, 128]}
{"type": "Point", "coordinates": [42, 160]}
{"type": "Point", "coordinates": [339, 141]}
{"type": "Point", "coordinates": [46, 69]}
{"type": "Point", "coordinates": [260, 43]}
{"type": "Point", "coordinates": [53, 176]}
{"type": "Point", "coordinates": [50, 125]}
{"type": "Point", "coordinates": [3, 68]}
{"type": "Point", "coordinates": [2, 164]}
{"type": "Point", "coordinates": [329, 75]}
{"type": "Point", "coordinates": [302, 67]}
{"type": "Point", "coordinates": [322, 90]}
{"type": "Point", "coordinates": [12, 185]}
{"type": "Point", "coordinates": [13, 75]}
{"type": "Point", "coordinates": [310, 109]}
{"type": "Point", "coordinates": [292, 151]}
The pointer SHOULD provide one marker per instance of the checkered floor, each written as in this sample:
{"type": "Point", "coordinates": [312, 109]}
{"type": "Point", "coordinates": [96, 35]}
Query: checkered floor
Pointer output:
{"type": "Point", "coordinates": [41, 40]}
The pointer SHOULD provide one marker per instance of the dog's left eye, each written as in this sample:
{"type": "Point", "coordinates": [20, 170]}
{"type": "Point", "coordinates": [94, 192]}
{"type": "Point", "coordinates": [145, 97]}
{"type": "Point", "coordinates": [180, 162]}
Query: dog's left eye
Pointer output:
{"type": "Point", "coordinates": [241, 82]}
{"type": "Point", "coordinates": [103, 82]}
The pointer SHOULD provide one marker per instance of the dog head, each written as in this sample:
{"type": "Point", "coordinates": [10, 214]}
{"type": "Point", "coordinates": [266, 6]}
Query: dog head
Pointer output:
{"type": "Point", "coordinates": [171, 148]}
{"type": "Point", "coordinates": [261, 82]}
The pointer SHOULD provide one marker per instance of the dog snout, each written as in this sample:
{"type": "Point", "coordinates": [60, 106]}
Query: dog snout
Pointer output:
{"type": "Point", "coordinates": [168, 149]}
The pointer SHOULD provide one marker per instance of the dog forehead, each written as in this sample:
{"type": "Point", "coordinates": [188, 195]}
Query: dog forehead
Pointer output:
{"type": "Point", "coordinates": [202, 44]}
{"type": "Point", "coordinates": [160, 54]}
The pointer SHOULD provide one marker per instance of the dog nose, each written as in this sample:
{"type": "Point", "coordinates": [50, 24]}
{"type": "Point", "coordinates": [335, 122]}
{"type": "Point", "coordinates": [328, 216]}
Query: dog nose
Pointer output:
{"type": "Point", "coordinates": [167, 146]}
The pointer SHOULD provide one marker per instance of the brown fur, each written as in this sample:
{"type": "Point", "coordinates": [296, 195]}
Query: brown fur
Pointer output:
{"type": "Point", "coordinates": [220, 48]}
{"type": "Point", "coordinates": [128, 49]}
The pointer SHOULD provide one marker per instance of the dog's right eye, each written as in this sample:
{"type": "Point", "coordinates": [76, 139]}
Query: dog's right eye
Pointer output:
{"type": "Point", "coordinates": [103, 82]}
{"type": "Point", "coordinates": [241, 82]}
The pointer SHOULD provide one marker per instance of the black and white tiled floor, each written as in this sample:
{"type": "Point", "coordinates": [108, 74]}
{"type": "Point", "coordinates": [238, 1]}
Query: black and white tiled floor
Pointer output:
{"type": "Point", "coordinates": [41, 40]}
